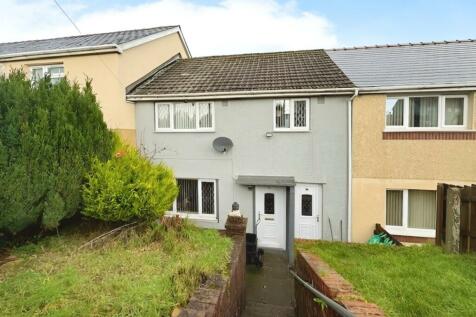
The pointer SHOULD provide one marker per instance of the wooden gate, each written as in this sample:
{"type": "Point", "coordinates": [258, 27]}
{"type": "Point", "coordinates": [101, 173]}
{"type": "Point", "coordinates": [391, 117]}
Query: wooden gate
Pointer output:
{"type": "Point", "coordinates": [456, 218]}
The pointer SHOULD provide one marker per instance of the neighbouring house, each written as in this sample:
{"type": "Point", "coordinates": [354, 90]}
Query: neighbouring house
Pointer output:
{"type": "Point", "coordinates": [414, 125]}
{"type": "Point", "coordinates": [279, 123]}
{"type": "Point", "coordinates": [111, 60]}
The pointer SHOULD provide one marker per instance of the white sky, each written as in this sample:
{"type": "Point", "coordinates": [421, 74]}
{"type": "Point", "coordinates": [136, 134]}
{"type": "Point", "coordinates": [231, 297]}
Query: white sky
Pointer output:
{"type": "Point", "coordinates": [225, 28]}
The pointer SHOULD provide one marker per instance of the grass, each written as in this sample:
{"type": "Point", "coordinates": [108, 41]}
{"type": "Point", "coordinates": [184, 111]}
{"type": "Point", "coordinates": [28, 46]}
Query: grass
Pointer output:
{"type": "Point", "coordinates": [405, 281]}
{"type": "Point", "coordinates": [146, 275]}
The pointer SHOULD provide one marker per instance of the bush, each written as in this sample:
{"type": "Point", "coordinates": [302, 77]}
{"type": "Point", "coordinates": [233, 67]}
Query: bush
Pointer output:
{"type": "Point", "coordinates": [128, 187]}
{"type": "Point", "coordinates": [49, 135]}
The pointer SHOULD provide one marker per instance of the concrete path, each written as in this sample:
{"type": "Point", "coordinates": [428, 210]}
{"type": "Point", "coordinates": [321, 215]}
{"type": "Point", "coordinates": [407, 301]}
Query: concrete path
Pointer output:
{"type": "Point", "coordinates": [270, 290]}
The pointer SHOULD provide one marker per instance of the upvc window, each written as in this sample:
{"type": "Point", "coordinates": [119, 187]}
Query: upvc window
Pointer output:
{"type": "Point", "coordinates": [197, 198]}
{"type": "Point", "coordinates": [56, 72]}
{"type": "Point", "coordinates": [184, 117]}
{"type": "Point", "coordinates": [426, 112]}
{"type": "Point", "coordinates": [411, 212]}
{"type": "Point", "coordinates": [291, 115]}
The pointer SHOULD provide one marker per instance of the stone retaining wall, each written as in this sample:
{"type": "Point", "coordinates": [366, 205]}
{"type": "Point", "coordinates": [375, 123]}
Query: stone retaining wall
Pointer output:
{"type": "Point", "coordinates": [318, 273]}
{"type": "Point", "coordinates": [222, 296]}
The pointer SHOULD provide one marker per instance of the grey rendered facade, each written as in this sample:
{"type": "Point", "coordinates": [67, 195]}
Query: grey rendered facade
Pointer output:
{"type": "Point", "coordinates": [317, 156]}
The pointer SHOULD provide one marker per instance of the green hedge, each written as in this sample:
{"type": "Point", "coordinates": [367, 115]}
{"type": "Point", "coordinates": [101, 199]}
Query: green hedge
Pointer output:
{"type": "Point", "coordinates": [129, 187]}
{"type": "Point", "coordinates": [49, 136]}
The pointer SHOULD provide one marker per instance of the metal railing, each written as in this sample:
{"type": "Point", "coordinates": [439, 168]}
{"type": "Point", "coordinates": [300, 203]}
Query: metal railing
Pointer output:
{"type": "Point", "coordinates": [329, 302]}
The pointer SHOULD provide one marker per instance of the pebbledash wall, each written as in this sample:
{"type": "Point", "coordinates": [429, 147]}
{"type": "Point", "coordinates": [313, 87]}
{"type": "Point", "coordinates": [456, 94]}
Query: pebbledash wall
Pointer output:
{"type": "Point", "coordinates": [318, 156]}
{"type": "Point", "coordinates": [111, 73]}
{"type": "Point", "coordinates": [397, 163]}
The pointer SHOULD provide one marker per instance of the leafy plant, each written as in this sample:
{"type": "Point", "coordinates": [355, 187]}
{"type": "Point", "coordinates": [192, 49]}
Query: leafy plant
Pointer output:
{"type": "Point", "coordinates": [49, 136]}
{"type": "Point", "coordinates": [128, 187]}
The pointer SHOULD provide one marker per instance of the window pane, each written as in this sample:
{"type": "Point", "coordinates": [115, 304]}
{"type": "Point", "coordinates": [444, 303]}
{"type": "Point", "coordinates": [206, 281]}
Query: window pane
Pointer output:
{"type": "Point", "coordinates": [184, 116]}
{"type": "Point", "coordinates": [454, 111]}
{"type": "Point", "coordinates": [422, 209]}
{"type": "Point", "coordinates": [208, 198]}
{"type": "Point", "coordinates": [394, 207]}
{"type": "Point", "coordinates": [163, 116]}
{"type": "Point", "coordinates": [300, 114]}
{"type": "Point", "coordinates": [187, 200]}
{"type": "Point", "coordinates": [283, 114]}
{"type": "Point", "coordinates": [424, 112]}
{"type": "Point", "coordinates": [394, 112]}
{"type": "Point", "coordinates": [205, 115]}
{"type": "Point", "coordinates": [56, 71]}
{"type": "Point", "coordinates": [306, 205]}
{"type": "Point", "coordinates": [269, 204]}
{"type": "Point", "coordinates": [36, 74]}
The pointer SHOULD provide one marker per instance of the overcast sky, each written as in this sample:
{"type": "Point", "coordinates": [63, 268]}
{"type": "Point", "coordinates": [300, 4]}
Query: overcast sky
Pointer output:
{"type": "Point", "coordinates": [224, 27]}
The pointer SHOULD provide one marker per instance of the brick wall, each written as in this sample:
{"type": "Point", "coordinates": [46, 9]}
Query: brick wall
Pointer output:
{"type": "Point", "coordinates": [222, 296]}
{"type": "Point", "coordinates": [315, 271]}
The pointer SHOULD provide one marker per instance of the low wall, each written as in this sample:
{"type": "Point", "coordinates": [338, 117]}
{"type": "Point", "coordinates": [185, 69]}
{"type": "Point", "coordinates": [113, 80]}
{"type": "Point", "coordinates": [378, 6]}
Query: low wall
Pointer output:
{"type": "Point", "coordinates": [319, 274]}
{"type": "Point", "coordinates": [222, 296]}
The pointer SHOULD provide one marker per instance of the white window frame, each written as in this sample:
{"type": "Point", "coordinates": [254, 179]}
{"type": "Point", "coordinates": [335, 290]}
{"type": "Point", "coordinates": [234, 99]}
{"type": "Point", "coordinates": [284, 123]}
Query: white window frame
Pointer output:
{"type": "Point", "coordinates": [404, 117]}
{"type": "Point", "coordinates": [198, 215]}
{"type": "Point", "coordinates": [465, 112]}
{"type": "Point", "coordinates": [45, 71]}
{"type": "Point", "coordinates": [291, 128]}
{"type": "Point", "coordinates": [441, 115]}
{"type": "Point", "coordinates": [404, 230]}
{"type": "Point", "coordinates": [171, 118]}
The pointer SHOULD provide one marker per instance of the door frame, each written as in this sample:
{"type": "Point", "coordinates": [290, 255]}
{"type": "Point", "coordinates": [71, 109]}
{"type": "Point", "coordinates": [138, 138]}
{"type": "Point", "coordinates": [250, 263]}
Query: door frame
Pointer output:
{"type": "Point", "coordinates": [284, 217]}
{"type": "Point", "coordinates": [316, 208]}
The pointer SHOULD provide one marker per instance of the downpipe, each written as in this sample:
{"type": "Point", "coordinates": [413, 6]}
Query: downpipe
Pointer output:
{"type": "Point", "coordinates": [349, 164]}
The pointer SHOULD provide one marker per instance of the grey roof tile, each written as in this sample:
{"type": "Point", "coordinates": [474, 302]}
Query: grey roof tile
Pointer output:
{"type": "Point", "coordinates": [312, 69]}
{"type": "Point", "coordinates": [79, 41]}
{"type": "Point", "coordinates": [433, 63]}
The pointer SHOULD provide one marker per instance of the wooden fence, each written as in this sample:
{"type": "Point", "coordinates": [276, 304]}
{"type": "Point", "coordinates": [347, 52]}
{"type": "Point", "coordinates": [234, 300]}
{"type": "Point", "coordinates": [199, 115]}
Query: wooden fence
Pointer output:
{"type": "Point", "coordinates": [456, 218]}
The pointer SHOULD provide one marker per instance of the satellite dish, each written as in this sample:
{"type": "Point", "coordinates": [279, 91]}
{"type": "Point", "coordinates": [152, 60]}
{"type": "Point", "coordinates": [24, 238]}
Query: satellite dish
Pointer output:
{"type": "Point", "coordinates": [222, 144]}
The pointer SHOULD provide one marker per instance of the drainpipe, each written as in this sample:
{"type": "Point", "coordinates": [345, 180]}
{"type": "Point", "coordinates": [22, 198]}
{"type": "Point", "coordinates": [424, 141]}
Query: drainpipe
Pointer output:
{"type": "Point", "coordinates": [349, 165]}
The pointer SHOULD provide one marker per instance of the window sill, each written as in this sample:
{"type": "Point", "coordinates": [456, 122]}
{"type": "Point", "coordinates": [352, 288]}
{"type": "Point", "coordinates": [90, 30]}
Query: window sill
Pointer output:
{"type": "Point", "coordinates": [207, 218]}
{"type": "Point", "coordinates": [184, 131]}
{"type": "Point", "coordinates": [290, 130]}
{"type": "Point", "coordinates": [411, 232]}
{"type": "Point", "coordinates": [429, 135]}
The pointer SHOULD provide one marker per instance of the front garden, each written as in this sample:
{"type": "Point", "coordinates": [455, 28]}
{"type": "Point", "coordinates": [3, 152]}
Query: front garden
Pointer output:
{"type": "Point", "coordinates": [405, 281]}
{"type": "Point", "coordinates": [66, 180]}
{"type": "Point", "coordinates": [134, 274]}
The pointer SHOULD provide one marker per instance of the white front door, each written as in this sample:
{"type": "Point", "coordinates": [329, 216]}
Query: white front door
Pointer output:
{"type": "Point", "coordinates": [306, 219]}
{"type": "Point", "coordinates": [270, 212]}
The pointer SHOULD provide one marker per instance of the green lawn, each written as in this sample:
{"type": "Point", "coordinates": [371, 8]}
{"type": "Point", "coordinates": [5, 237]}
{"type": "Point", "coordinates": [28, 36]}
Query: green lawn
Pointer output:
{"type": "Point", "coordinates": [146, 275]}
{"type": "Point", "coordinates": [405, 281]}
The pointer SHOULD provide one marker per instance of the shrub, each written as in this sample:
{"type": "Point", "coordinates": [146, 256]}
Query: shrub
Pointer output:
{"type": "Point", "coordinates": [128, 187]}
{"type": "Point", "coordinates": [49, 135]}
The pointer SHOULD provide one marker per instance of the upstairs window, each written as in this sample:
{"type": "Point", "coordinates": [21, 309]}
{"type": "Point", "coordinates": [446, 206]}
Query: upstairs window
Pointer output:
{"type": "Point", "coordinates": [426, 113]}
{"type": "Point", "coordinates": [183, 117]}
{"type": "Point", "coordinates": [291, 115]}
{"type": "Point", "coordinates": [56, 72]}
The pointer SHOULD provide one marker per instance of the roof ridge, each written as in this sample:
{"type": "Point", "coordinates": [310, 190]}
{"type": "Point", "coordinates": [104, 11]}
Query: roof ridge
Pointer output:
{"type": "Point", "coordinates": [401, 45]}
{"type": "Point", "coordinates": [257, 53]}
{"type": "Point", "coordinates": [90, 34]}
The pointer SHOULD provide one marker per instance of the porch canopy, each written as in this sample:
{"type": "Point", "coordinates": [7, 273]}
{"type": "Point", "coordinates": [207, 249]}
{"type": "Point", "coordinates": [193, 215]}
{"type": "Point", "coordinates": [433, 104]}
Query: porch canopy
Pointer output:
{"type": "Point", "coordinates": [254, 180]}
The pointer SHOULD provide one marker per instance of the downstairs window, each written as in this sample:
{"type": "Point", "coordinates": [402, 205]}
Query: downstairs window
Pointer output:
{"type": "Point", "coordinates": [196, 197]}
{"type": "Point", "coordinates": [411, 212]}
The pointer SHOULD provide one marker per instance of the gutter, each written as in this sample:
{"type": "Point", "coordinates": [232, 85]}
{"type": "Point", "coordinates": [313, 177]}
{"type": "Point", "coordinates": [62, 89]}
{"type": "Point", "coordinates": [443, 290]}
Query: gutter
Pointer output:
{"type": "Point", "coordinates": [349, 165]}
{"type": "Point", "coordinates": [419, 88]}
{"type": "Point", "coordinates": [243, 94]}
{"type": "Point", "coordinates": [107, 48]}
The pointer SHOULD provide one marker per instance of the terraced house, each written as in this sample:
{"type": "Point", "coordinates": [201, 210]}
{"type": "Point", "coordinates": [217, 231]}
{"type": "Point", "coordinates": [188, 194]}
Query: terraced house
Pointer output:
{"type": "Point", "coordinates": [414, 125]}
{"type": "Point", "coordinates": [268, 130]}
{"type": "Point", "coordinates": [111, 60]}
